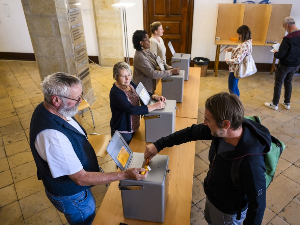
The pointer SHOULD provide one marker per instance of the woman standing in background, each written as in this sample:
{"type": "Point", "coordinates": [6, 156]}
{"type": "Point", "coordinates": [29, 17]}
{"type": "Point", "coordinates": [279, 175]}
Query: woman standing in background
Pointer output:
{"type": "Point", "coordinates": [157, 46]}
{"type": "Point", "coordinates": [238, 54]}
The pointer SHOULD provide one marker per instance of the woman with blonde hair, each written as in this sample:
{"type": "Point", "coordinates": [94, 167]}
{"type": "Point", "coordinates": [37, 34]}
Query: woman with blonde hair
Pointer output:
{"type": "Point", "coordinates": [157, 46]}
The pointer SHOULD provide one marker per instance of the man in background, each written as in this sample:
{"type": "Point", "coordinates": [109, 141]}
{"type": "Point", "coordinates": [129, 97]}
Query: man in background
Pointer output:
{"type": "Point", "coordinates": [289, 61]}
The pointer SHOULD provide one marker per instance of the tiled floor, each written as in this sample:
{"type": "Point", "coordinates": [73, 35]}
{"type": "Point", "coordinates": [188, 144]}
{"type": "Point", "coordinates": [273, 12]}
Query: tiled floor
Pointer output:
{"type": "Point", "coordinates": [22, 197]}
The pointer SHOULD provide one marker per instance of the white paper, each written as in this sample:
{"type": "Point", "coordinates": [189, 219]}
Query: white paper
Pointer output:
{"type": "Point", "coordinates": [276, 46]}
{"type": "Point", "coordinates": [171, 48]}
{"type": "Point", "coordinates": [228, 55]}
{"type": "Point", "coordinates": [160, 63]}
{"type": "Point", "coordinates": [145, 97]}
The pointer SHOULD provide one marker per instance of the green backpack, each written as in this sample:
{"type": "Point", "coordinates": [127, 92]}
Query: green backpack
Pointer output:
{"type": "Point", "coordinates": [271, 161]}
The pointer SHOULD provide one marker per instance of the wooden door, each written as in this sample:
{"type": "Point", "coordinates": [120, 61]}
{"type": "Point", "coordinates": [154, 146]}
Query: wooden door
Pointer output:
{"type": "Point", "coordinates": [176, 16]}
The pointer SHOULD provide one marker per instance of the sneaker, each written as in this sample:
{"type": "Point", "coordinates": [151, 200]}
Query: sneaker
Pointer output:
{"type": "Point", "coordinates": [286, 105]}
{"type": "Point", "coordinates": [271, 105]}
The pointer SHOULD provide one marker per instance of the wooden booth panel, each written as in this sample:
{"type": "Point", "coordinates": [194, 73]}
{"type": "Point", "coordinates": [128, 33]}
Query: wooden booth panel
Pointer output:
{"type": "Point", "coordinates": [257, 18]}
{"type": "Point", "coordinates": [230, 17]}
{"type": "Point", "coordinates": [276, 31]}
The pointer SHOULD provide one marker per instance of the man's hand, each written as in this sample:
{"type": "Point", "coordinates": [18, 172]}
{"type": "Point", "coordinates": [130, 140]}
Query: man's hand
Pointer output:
{"type": "Point", "coordinates": [135, 173]}
{"type": "Point", "coordinates": [150, 151]}
{"type": "Point", "coordinates": [160, 98]}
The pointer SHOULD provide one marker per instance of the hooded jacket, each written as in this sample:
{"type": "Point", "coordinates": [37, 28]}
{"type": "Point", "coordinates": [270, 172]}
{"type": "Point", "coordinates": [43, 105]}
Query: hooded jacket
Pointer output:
{"type": "Point", "coordinates": [219, 189]}
{"type": "Point", "coordinates": [289, 50]}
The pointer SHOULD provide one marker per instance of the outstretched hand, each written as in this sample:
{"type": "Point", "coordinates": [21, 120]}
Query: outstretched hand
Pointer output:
{"type": "Point", "coordinates": [150, 151]}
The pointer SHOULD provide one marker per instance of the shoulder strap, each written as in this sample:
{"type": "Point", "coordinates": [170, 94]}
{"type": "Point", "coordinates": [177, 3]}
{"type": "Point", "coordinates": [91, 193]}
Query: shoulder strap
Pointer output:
{"type": "Point", "coordinates": [236, 180]}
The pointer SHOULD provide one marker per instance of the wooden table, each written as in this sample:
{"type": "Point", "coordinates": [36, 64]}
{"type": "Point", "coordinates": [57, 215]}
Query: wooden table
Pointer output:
{"type": "Point", "coordinates": [188, 108]}
{"type": "Point", "coordinates": [181, 165]}
{"type": "Point", "coordinates": [219, 43]}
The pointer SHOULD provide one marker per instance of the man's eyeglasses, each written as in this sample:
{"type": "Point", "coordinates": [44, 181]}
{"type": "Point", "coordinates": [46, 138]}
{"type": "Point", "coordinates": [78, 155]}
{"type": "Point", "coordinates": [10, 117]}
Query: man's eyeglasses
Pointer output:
{"type": "Point", "coordinates": [77, 100]}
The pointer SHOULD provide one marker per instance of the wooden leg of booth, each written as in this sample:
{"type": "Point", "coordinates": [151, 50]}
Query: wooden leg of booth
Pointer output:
{"type": "Point", "coordinates": [217, 59]}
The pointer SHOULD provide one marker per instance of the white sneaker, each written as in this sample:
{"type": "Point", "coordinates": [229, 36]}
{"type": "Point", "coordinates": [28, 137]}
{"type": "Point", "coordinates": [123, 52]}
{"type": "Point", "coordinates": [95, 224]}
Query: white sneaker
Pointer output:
{"type": "Point", "coordinates": [271, 105]}
{"type": "Point", "coordinates": [285, 105]}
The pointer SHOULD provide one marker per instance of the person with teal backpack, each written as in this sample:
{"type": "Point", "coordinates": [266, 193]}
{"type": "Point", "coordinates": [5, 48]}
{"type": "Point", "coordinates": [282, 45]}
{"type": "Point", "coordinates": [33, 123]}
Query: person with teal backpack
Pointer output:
{"type": "Point", "coordinates": [271, 160]}
{"type": "Point", "coordinates": [232, 137]}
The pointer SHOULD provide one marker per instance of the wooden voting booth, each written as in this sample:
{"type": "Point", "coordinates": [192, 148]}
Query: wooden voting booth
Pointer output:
{"type": "Point", "coordinates": [264, 20]}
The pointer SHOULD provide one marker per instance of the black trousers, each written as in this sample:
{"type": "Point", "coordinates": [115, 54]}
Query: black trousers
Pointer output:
{"type": "Point", "coordinates": [283, 74]}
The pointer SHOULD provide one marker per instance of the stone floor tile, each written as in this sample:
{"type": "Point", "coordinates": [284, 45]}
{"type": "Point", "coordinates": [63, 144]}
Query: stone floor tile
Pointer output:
{"type": "Point", "coordinates": [11, 129]}
{"type": "Point", "coordinates": [4, 164]}
{"type": "Point", "coordinates": [198, 192]}
{"type": "Point", "coordinates": [28, 187]}
{"type": "Point", "coordinates": [25, 124]}
{"type": "Point", "coordinates": [269, 215]}
{"type": "Point", "coordinates": [291, 128]}
{"type": "Point", "coordinates": [2, 153]}
{"type": "Point", "coordinates": [199, 166]}
{"type": "Point", "coordinates": [5, 178]}
{"type": "Point", "coordinates": [290, 213]}
{"type": "Point", "coordinates": [13, 137]}
{"type": "Point", "coordinates": [200, 146]}
{"type": "Point", "coordinates": [34, 204]}
{"type": "Point", "coordinates": [271, 123]}
{"type": "Point", "coordinates": [20, 158]}
{"type": "Point", "coordinates": [24, 171]}
{"type": "Point", "coordinates": [17, 147]}
{"type": "Point", "coordinates": [291, 152]}
{"type": "Point", "coordinates": [21, 103]}
{"type": "Point", "coordinates": [201, 205]}
{"type": "Point", "coordinates": [8, 113]}
{"type": "Point", "coordinates": [25, 109]}
{"type": "Point", "coordinates": [99, 192]}
{"type": "Point", "coordinates": [293, 173]}
{"type": "Point", "coordinates": [25, 116]}
{"type": "Point", "coordinates": [282, 166]}
{"type": "Point", "coordinates": [7, 195]}
{"type": "Point", "coordinates": [281, 136]}
{"type": "Point", "coordinates": [197, 216]}
{"type": "Point", "coordinates": [11, 214]}
{"type": "Point", "coordinates": [202, 176]}
{"type": "Point", "coordinates": [204, 156]}
{"type": "Point", "coordinates": [47, 217]}
{"type": "Point", "coordinates": [9, 121]}
{"type": "Point", "coordinates": [280, 192]}
{"type": "Point", "coordinates": [278, 221]}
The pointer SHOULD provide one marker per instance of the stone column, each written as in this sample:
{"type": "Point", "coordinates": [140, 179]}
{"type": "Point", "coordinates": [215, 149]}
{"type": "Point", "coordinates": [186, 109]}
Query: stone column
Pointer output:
{"type": "Point", "coordinates": [56, 32]}
{"type": "Point", "coordinates": [109, 32]}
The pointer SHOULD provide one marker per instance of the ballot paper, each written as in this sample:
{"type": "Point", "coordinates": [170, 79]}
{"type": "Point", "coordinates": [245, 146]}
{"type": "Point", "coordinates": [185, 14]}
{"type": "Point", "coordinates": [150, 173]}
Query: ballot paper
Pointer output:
{"type": "Point", "coordinates": [228, 55]}
{"type": "Point", "coordinates": [276, 46]}
{"type": "Point", "coordinates": [160, 63]}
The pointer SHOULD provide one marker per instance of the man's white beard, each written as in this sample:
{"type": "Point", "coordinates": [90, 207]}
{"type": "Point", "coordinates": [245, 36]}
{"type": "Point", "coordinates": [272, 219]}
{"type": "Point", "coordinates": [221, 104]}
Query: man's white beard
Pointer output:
{"type": "Point", "coordinates": [68, 112]}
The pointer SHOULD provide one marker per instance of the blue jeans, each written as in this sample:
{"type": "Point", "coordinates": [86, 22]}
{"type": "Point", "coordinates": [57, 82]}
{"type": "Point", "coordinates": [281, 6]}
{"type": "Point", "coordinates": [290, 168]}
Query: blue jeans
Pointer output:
{"type": "Point", "coordinates": [78, 208]}
{"type": "Point", "coordinates": [215, 217]}
{"type": "Point", "coordinates": [233, 84]}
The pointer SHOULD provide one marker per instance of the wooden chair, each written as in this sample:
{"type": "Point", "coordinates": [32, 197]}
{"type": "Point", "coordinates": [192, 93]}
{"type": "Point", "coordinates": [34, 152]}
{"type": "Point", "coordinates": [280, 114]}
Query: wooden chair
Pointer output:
{"type": "Point", "coordinates": [85, 105]}
{"type": "Point", "coordinates": [99, 142]}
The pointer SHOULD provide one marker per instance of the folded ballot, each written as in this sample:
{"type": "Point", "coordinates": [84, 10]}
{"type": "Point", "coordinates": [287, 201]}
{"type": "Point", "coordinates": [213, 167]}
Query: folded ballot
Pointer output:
{"type": "Point", "coordinates": [228, 55]}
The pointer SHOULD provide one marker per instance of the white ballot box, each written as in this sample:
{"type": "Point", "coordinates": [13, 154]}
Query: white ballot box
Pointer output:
{"type": "Point", "coordinates": [160, 122]}
{"type": "Point", "coordinates": [172, 86]}
{"type": "Point", "coordinates": [144, 199]}
{"type": "Point", "coordinates": [181, 60]}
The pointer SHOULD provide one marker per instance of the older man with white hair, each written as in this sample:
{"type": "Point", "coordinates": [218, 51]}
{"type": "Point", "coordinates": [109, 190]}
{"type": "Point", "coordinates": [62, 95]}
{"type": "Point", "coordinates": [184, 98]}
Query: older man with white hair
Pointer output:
{"type": "Point", "coordinates": [289, 56]}
{"type": "Point", "coordinates": [65, 160]}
